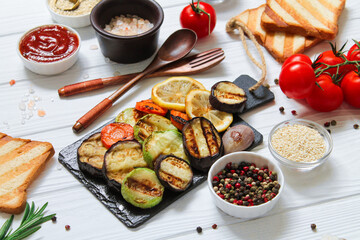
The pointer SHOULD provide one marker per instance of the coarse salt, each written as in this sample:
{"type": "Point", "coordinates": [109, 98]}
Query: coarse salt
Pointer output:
{"type": "Point", "coordinates": [12, 82]}
{"type": "Point", "coordinates": [93, 47]}
{"type": "Point", "coordinates": [128, 25]}
{"type": "Point", "coordinates": [41, 113]}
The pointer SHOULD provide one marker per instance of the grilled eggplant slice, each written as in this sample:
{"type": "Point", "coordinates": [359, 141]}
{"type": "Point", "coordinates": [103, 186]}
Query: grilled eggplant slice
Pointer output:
{"type": "Point", "coordinates": [228, 97]}
{"type": "Point", "coordinates": [129, 116]}
{"type": "Point", "coordinates": [173, 172]}
{"type": "Point", "coordinates": [121, 158]}
{"type": "Point", "coordinates": [91, 156]}
{"type": "Point", "coordinates": [163, 143]}
{"type": "Point", "coordinates": [202, 142]}
{"type": "Point", "coordinates": [150, 123]}
{"type": "Point", "coordinates": [142, 188]}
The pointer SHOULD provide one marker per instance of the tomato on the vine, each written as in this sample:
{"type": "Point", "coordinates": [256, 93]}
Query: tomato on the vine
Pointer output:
{"type": "Point", "coordinates": [297, 58]}
{"type": "Point", "coordinates": [199, 17]}
{"type": "Point", "coordinates": [351, 88]}
{"type": "Point", "coordinates": [297, 79]}
{"type": "Point", "coordinates": [327, 98]}
{"type": "Point", "coordinates": [333, 57]}
{"type": "Point", "coordinates": [354, 52]}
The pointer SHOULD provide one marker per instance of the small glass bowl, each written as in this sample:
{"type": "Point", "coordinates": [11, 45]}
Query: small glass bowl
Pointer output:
{"type": "Point", "coordinates": [302, 165]}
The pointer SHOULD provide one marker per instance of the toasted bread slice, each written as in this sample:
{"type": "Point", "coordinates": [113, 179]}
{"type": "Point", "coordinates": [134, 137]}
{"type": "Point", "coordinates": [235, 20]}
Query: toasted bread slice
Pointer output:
{"type": "Point", "coordinates": [317, 18]}
{"type": "Point", "coordinates": [21, 161]}
{"type": "Point", "coordinates": [279, 44]}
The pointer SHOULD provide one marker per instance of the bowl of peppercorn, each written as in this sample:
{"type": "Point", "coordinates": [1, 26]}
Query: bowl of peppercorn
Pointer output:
{"type": "Point", "coordinates": [245, 184]}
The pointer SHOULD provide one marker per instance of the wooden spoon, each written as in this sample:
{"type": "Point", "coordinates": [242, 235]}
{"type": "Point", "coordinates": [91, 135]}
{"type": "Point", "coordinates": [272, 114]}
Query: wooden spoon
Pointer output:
{"type": "Point", "coordinates": [177, 46]}
{"type": "Point", "coordinates": [75, 6]}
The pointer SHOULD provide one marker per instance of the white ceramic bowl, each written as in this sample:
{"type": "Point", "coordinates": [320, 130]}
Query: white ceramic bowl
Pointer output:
{"type": "Point", "coordinates": [72, 21]}
{"type": "Point", "coordinates": [244, 211]}
{"type": "Point", "coordinates": [50, 68]}
{"type": "Point", "coordinates": [302, 166]}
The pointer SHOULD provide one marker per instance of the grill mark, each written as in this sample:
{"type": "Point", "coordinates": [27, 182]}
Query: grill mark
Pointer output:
{"type": "Point", "coordinates": [145, 187]}
{"type": "Point", "coordinates": [191, 143]}
{"type": "Point", "coordinates": [145, 130]}
{"type": "Point", "coordinates": [210, 137]}
{"type": "Point", "coordinates": [172, 180]}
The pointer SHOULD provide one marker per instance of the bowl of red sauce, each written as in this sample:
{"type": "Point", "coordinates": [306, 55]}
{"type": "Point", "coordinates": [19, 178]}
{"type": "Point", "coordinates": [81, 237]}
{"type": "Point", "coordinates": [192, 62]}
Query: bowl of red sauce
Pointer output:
{"type": "Point", "coordinates": [49, 49]}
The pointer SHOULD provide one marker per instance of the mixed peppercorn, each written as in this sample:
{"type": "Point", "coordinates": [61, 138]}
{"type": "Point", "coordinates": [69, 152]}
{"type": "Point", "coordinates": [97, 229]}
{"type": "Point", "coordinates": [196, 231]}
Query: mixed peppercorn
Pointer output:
{"type": "Point", "coordinates": [245, 184]}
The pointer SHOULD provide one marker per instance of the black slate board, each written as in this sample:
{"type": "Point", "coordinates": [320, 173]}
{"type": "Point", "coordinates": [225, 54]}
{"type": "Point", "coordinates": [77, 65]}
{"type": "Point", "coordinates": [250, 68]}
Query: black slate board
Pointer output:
{"type": "Point", "coordinates": [129, 215]}
{"type": "Point", "coordinates": [255, 99]}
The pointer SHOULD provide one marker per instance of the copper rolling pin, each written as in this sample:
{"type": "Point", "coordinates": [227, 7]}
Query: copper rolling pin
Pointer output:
{"type": "Point", "coordinates": [189, 65]}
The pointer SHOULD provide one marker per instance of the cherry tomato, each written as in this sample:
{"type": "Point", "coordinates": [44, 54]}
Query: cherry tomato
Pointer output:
{"type": "Point", "coordinates": [297, 58]}
{"type": "Point", "coordinates": [195, 18]}
{"type": "Point", "coordinates": [297, 80]}
{"type": "Point", "coordinates": [327, 98]}
{"type": "Point", "coordinates": [354, 52]}
{"type": "Point", "coordinates": [328, 57]}
{"type": "Point", "coordinates": [351, 88]}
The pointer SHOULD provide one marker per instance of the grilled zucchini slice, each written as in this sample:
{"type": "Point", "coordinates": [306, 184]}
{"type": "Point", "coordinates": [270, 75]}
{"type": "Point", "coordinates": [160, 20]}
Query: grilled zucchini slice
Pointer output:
{"type": "Point", "coordinates": [90, 155]}
{"type": "Point", "coordinates": [228, 97]}
{"type": "Point", "coordinates": [202, 142]}
{"type": "Point", "coordinates": [129, 116]}
{"type": "Point", "coordinates": [121, 158]}
{"type": "Point", "coordinates": [173, 172]}
{"type": "Point", "coordinates": [163, 143]}
{"type": "Point", "coordinates": [142, 188]}
{"type": "Point", "coordinates": [150, 123]}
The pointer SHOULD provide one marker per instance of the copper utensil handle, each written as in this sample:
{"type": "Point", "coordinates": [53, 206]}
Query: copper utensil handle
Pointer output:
{"type": "Point", "coordinates": [81, 87]}
{"type": "Point", "coordinates": [91, 115]}
{"type": "Point", "coordinates": [189, 65]}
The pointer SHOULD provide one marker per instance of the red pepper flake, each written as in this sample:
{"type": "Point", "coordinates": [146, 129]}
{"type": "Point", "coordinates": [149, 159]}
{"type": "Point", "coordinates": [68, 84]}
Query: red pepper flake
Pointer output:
{"type": "Point", "coordinates": [67, 227]}
{"type": "Point", "coordinates": [293, 112]}
{"type": "Point", "coordinates": [214, 226]}
{"type": "Point", "coordinates": [12, 82]}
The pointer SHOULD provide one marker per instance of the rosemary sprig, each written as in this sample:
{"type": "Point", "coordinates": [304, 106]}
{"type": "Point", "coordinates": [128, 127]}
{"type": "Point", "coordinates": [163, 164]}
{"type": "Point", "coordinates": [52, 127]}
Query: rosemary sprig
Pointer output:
{"type": "Point", "coordinates": [30, 223]}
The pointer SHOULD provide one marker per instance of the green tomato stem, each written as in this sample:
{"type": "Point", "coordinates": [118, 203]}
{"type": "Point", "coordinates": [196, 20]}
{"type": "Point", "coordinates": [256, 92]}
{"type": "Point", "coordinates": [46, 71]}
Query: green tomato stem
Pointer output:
{"type": "Point", "coordinates": [321, 70]}
{"type": "Point", "coordinates": [198, 10]}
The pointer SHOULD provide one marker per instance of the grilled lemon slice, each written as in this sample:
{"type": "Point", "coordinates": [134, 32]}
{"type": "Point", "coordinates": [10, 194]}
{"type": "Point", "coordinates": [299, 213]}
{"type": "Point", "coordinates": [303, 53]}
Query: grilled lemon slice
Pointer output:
{"type": "Point", "coordinates": [171, 93]}
{"type": "Point", "coordinates": [198, 105]}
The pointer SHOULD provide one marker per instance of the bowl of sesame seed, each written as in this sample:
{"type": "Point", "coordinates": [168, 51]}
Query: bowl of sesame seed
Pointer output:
{"type": "Point", "coordinates": [300, 144]}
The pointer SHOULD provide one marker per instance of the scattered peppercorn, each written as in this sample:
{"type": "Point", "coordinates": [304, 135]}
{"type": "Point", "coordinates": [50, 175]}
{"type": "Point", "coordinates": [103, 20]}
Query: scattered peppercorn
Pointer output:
{"type": "Point", "coordinates": [356, 126]}
{"type": "Point", "coordinates": [67, 227]}
{"type": "Point", "coordinates": [276, 81]}
{"type": "Point", "coordinates": [293, 112]}
{"type": "Point", "coordinates": [254, 186]}
{"type": "Point", "coordinates": [313, 226]}
{"type": "Point", "coordinates": [214, 226]}
{"type": "Point", "coordinates": [333, 122]}
{"type": "Point", "coordinates": [281, 109]}
{"type": "Point", "coordinates": [199, 229]}
{"type": "Point", "coordinates": [53, 219]}
{"type": "Point", "coordinates": [328, 130]}
{"type": "Point", "coordinates": [327, 124]}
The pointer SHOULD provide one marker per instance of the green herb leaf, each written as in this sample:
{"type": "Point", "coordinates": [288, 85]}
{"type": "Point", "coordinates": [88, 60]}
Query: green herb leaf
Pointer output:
{"type": "Point", "coordinates": [29, 224]}
{"type": "Point", "coordinates": [26, 213]}
{"type": "Point", "coordinates": [5, 227]}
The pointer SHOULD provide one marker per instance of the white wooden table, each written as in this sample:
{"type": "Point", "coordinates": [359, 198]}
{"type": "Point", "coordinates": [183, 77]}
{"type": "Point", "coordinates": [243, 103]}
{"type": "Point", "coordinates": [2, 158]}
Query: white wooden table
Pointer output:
{"type": "Point", "coordinates": [328, 196]}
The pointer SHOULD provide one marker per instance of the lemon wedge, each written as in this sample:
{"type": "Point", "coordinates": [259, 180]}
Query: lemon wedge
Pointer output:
{"type": "Point", "coordinates": [198, 105]}
{"type": "Point", "coordinates": [171, 93]}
